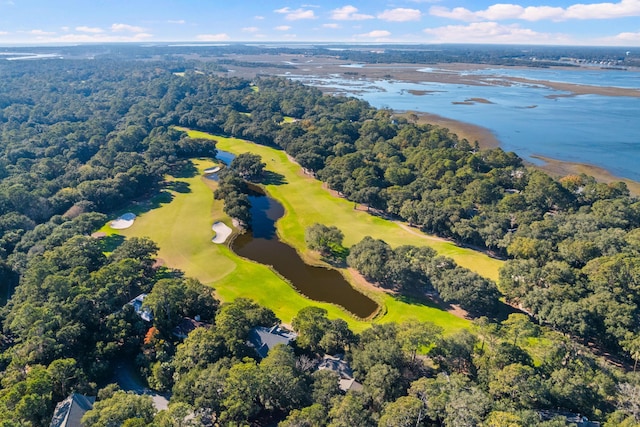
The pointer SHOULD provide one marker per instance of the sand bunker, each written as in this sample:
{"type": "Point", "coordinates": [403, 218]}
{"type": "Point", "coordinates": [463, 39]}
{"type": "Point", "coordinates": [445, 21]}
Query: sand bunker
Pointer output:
{"type": "Point", "coordinates": [212, 170]}
{"type": "Point", "coordinates": [124, 221]}
{"type": "Point", "coordinates": [222, 231]}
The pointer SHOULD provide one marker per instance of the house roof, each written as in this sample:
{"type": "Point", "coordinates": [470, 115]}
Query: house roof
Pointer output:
{"type": "Point", "coordinates": [337, 365]}
{"type": "Point", "coordinates": [136, 303]}
{"type": "Point", "coordinates": [342, 368]}
{"type": "Point", "coordinates": [263, 339]}
{"type": "Point", "coordinates": [69, 412]}
{"type": "Point", "coordinates": [185, 326]}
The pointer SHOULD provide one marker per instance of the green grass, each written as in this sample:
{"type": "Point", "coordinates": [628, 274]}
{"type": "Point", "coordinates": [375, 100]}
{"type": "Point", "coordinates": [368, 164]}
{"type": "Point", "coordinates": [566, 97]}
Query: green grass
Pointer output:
{"type": "Point", "coordinates": [307, 202]}
{"type": "Point", "coordinates": [179, 220]}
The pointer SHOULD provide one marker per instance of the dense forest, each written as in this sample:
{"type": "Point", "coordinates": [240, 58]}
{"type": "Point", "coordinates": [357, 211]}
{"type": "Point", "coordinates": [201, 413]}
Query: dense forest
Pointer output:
{"type": "Point", "coordinates": [221, 57]}
{"type": "Point", "coordinates": [81, 138]}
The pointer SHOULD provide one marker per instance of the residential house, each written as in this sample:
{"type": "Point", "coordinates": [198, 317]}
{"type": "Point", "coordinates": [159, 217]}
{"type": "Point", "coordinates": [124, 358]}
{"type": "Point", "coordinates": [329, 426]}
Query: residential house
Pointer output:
{"type": "Point", "coordinates": [144, 313]}
{"type": "Point", "coordinates": [263, 339]}
{"type": "Point", "coordinates": [70, 411]}
{"type": "Point", "coordinates": [338, 365]}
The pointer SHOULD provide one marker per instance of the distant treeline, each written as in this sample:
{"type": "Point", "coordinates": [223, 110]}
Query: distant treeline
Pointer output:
{"type": "Point", "coordinates": [527, 55]}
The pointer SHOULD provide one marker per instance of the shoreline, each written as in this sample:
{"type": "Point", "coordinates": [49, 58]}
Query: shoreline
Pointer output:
{"type": "Point", "coordinates": [457, 73]}
{"type": "Point", "coordinates": [554, 167]}
{"type": "Point", "coordinates": [559, 168]}
{"type": "Point", "coordinates": [485, 137]}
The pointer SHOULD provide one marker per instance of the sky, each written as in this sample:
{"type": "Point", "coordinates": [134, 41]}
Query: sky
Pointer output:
{"type": "Point", "coordinates": [546, 22]}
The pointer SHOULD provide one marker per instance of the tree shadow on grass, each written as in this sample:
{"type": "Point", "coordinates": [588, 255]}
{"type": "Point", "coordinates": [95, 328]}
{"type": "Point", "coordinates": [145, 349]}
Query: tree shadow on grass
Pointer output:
{"type": "Point", "coordinates": [110, 243]}
{"type": "Point", "coordinates": [273, 178]}
{"type": "Point", "coordinates": [423, 301]}
{"type": "Point", "coordinates": [162, 197]}
{"type": "Point", "coordinates": [178, 186]}
{"type": "Point", "coordinates": [185, 170]}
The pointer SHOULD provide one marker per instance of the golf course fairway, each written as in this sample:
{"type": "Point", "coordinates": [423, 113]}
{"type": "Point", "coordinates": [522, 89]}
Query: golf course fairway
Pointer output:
{"type": "Point", "coordinates": [181, 226]}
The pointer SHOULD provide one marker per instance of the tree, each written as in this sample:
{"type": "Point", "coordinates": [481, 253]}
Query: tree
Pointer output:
{"type": "Point", "coordinates": [199, 300]}
{"type": "Point", "coordinates": [241, 395]}
{"type": "Point", "coordinates": [235, 319]}
{"type": "Point", "coordinates": [141, 249]}
{"type": "Point", "coordinates": [383, 384]}
{"type": "Point", "coordinates": [311, 324]}
{"type": "Point", "coordinates": [414, 335]}
{"type": "Point", "coordinates": [406, 411]}
{"type": "Point", "coordinates": [118, 409]}
{"type": "Point", "coordinates": [66, 377]}
{"type": "Point", "coordinates": [283, 386]}
{"type": "Point", "coordinates": [177, 415]}
{"type": "Point", "coordinates": [311, 416]}
{"type": "Point", "coordinates": [165, 302]}
{"type": "Point", "coordinates": [326, 240]}
{"type": "Point", "coordinates": [632, 346]}
{"type": "Point", "coordinates": [349, 411]}
{"type": "Point", "coordinates": [370, 257]}
{"type": "Point", "coordinates": [248, 165]}
{"type": "Point", "coordinates": [517, 385]}
{"type": "Point", "coordinates": [337, 338]}
{"type": "Point", "coordinates": [325, 387]}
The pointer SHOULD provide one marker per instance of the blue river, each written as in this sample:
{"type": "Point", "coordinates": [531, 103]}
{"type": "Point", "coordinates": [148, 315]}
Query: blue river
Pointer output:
{"type": "Point", "coordinates": [530, 119]}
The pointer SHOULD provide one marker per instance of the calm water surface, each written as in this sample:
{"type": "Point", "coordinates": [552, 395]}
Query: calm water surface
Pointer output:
{"type": "Point", "coordinates": [320, 284]}
{"type": "Point", "coordinates": [261, 244]}
{"type": "Point", "coordinates": [528, 119]}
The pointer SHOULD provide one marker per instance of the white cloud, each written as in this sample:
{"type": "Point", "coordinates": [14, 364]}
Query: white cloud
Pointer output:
{"type": "Point", "coordinates": [41, 33]}
{"type": "Point", "coordinates": [334, 26]}
{"type": "Point", "coordinates": [504, 11]}
{"type": "Point", "coordinates": [121, 28]}
{"type": "Point", "coordinates": [212, 37]}
{"type": "Point", "coordinates": [540, 13]}
{"type": "Point", "coordinates": [400, 15]}
{"type": "Point", "coordinates": [376, 34]}
{"type": "Point", "coordinates": [491, 32]}
{"type": "Point", "coordinates": [282, 28]}
{"type": "Point", "coordinates": [626, 38]}
{"type": "Point", "coordinates": [3, 33]}
{"type": "Point", "coordinates": [92, 30]}
{"type": "Point", "coordinates": [624, 8]}
{"type": "Point", "coordinates": [258, 17]}
{"type": "Point", "coordinates": [348, 13]}
{"type": "Point", "coordinates": [251, 29]}
{"type": "Point", "coordinates": [65, 28]}
{"type": "Point", "coordinates": [295, 15]}
{"type": "Point", "coordinates": [177, 21]}
{"type": "Point", "coordinates": [459, 13]}
{"type": "Point", "coordinates": [92, 38]}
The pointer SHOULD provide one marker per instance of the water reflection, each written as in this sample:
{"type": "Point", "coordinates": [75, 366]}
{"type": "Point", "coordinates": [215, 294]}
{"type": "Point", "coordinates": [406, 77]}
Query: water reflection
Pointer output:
{"type": "Point", "coordinates": [320, 284]}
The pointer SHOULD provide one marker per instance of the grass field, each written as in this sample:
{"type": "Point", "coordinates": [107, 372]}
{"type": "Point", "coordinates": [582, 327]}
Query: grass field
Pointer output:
{"type": "Point", "coordinates": [306, 202]}
{"type": "Point", "coordinates": [180, 220]}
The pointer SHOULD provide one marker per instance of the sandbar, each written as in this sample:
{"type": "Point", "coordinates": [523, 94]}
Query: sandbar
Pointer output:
{"type": "Point", "coordinates": [576, 89]}
{"type": "Point", "coordinates": [222, 230]}
{"type": "Point", "coordinates": [123, 222]}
